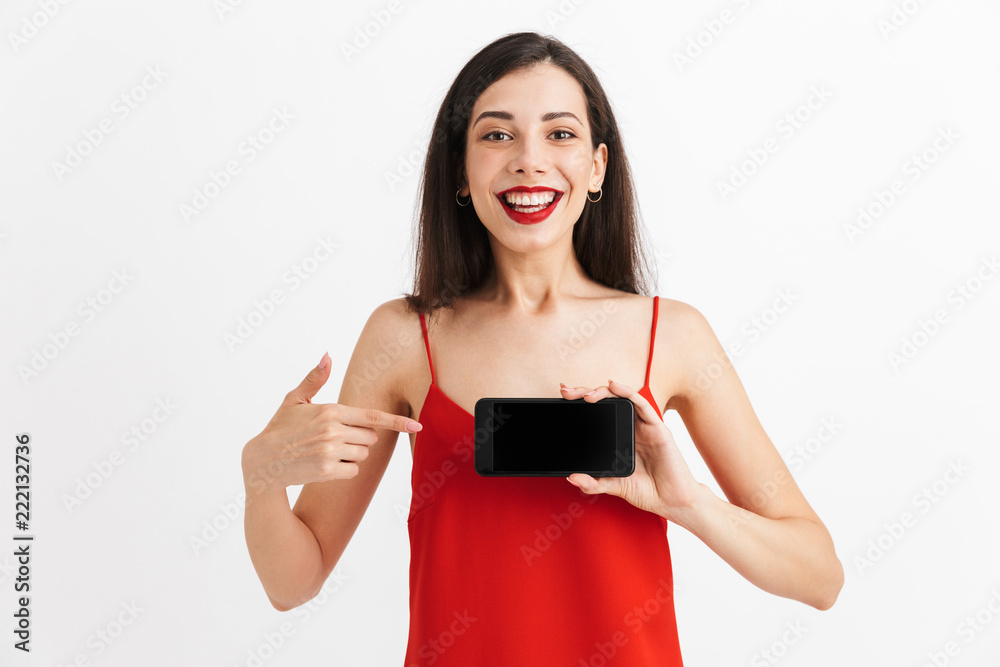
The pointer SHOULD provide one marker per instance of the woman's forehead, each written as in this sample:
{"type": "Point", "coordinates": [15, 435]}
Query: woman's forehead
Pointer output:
{"type": "Point", "coordinates": [526, 94]}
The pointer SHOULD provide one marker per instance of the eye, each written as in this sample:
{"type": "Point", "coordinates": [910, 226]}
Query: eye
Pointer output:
{"type": "Point", "coordinates": [489, 136]}
{"type": "Point", "coordinates": [566, 132]}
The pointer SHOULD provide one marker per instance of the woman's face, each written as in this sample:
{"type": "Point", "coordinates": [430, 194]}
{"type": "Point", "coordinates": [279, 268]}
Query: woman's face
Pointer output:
{"type": "Point", "coordinates": [529, 129]}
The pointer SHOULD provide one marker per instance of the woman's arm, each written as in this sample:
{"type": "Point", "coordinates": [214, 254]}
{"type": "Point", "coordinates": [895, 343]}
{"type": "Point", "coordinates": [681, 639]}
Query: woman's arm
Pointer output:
{"type": "Point", "coordinates": [339, 454]}
{"type": "Point", "coordinates": [767, 531]}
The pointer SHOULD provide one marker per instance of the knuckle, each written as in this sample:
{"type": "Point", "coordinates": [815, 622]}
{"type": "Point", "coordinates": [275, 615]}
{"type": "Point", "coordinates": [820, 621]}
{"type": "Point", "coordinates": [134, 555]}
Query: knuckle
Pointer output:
{"type": "Point", "coordinates": [327, 468]}
{"type": "Point", "coordinates": [331, 452]}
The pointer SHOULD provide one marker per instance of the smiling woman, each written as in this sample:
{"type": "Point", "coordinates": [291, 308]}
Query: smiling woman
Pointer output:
{"type": "Point", "coordinates": [495, 133]}
{"type": "Point", "coordinates": [487, 135]}
{"type": "Point", "coordinates": [528, 234]}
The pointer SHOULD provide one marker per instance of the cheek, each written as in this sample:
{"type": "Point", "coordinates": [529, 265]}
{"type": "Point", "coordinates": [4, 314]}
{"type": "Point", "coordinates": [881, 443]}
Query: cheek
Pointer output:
{"type": "Point", "coordinates": [579, 165]}
{"type": "Point", "coordinates": [482, 168]}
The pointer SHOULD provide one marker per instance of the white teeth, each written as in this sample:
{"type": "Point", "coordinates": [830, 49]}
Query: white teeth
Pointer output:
{"type": "Point", "coordinates": [542, 199]}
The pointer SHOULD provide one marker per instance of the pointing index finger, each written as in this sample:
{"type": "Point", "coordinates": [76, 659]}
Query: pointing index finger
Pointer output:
{"type": "Point", "coordinates": [373, 418]}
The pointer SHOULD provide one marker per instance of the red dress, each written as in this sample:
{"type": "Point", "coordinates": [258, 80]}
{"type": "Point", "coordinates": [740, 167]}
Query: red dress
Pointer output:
{"type": "Point", "coordinates": [526, 571]}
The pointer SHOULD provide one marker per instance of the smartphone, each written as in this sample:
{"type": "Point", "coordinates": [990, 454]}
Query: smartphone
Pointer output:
{"type": "Point", "coordinates": [554, 437]}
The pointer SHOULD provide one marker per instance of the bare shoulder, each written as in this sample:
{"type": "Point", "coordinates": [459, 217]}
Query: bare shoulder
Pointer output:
{"type": "Point", "coordinates": [387, 317]}
{"type": "Point", "coordinates": [688, 349]}
{"type": "Point", "coordinates": [682, 322]}
{"type": "Point", "coordinates": [385, 355]}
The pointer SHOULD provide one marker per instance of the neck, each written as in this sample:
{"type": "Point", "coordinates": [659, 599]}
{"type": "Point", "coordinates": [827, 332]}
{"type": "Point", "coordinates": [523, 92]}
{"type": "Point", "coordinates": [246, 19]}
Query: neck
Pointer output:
{"type": "Point", "coordinates": [534, 283]}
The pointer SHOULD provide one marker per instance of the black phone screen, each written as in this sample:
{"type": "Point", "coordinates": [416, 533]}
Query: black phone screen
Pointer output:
{"type": "Point", "coordinates": [560, 436]}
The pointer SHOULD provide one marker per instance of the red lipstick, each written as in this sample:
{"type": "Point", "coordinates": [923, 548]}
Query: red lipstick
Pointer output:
{"type": "Point", "coordinates": [533, 217]}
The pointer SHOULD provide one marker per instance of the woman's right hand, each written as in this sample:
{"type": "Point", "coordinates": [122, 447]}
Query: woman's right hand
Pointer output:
{"type": "Point", "coordinates": [306, 442]}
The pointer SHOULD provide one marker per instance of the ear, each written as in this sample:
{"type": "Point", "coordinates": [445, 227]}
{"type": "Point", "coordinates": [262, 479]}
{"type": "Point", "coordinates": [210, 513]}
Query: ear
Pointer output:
{"type": "Point", "coordinates": [600, 166]}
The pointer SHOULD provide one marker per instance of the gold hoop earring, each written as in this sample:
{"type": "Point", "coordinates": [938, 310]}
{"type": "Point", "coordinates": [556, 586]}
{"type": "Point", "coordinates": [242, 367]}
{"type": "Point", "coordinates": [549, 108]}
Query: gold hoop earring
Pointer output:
{"type": "Point", "coordinates": [459, 202]}
{"type": "Point", "coordinates": [600, 193]}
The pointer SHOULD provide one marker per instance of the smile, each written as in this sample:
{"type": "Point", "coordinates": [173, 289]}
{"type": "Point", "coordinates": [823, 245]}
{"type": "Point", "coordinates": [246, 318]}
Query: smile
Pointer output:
{"type": "Point", "coordinates": [529, 205]}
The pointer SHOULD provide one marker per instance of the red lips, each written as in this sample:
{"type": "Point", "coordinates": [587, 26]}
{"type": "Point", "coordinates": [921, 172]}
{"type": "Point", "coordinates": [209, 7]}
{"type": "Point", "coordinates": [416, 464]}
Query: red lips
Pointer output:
{"type": "Point", "coordinates": [529, 218]}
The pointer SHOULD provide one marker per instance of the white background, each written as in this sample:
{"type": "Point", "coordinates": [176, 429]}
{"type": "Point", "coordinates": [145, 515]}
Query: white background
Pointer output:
{"type": "Point", "coordinates": [687, 126]}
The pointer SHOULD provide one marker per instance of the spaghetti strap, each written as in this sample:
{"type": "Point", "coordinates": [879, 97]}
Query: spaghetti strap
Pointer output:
{"type": "Point", "coordinates": [652, 336]}
{"type": "Point", "coordinates": [427, 344]}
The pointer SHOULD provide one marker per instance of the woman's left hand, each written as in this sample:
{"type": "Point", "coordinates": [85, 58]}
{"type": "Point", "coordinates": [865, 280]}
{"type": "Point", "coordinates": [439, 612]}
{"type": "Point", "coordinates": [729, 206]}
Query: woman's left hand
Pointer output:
{"type": "Point", "coordinates": [662, 483]}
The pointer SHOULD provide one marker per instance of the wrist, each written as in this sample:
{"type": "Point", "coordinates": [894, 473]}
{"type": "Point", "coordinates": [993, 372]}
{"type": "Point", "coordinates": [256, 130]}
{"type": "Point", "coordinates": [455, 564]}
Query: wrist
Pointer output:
{"type": "Point", "coordinates": [691, 513]}
{"type": "Point", "coordinates": [258, 479]}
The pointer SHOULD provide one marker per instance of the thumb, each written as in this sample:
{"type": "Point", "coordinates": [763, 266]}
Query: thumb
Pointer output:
{"type": "Point", "coordinates": [312, 382]}
{"type": "Point", "coordinates": [585, 483]}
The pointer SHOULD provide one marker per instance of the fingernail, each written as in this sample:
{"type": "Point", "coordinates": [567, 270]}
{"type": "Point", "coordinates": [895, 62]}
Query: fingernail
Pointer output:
{"type": "Point", "coordinates": [322, 362]}
{"type": "Point", "coordinates": [413, 426]}
{"type": "Point", "coordinates": [562, 385]}
{"type": "Point", "coordinates": [609, 382]}
{"type": "Point", "coordinates": [590, 392]}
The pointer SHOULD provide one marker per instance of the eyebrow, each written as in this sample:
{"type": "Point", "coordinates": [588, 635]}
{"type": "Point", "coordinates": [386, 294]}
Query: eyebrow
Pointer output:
{"type": "Point", "coordinates": [506, 115]}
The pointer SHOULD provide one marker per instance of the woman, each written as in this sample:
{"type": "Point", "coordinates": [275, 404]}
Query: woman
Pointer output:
{"type": "Point", "coordinates": [529, 234]}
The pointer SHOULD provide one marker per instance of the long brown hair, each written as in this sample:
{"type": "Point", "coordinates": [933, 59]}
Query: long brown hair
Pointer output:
{"type": "Point", "coordinates": [453, 250]}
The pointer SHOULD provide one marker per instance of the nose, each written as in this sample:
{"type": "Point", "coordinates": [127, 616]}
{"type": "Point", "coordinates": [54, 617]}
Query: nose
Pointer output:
{"type": "Point", "coordinates": [530, 157]}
